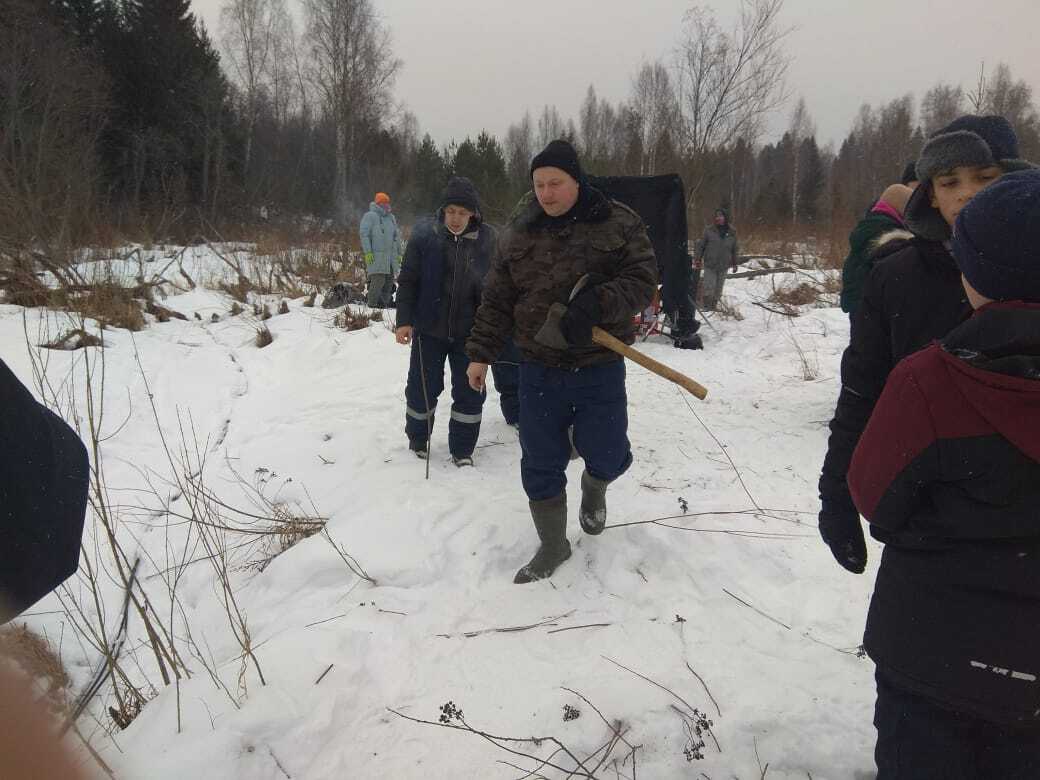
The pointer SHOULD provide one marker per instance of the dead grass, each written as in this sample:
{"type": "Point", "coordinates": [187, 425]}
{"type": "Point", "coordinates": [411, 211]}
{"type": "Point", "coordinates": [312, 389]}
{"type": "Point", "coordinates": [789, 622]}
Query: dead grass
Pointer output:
{"type": "Point", "coordinates": [35, 657]}
{"type": "Point", "coordinates": [77, 338]}
{"type": "Point", "coordinates": [727, 310]}
{"type": "Point", "coordinates": [376, 315]}
{"type": "Point", "coordinates": [112, 305]}
{"type": "Point", "coordinates": [352, 318]}
{"type": "Point", "coordinates": [161, 313]}
{"type": "Point", "coordinates": [283, 307]}
{"type": "Point", "coordinates": [239, 291]}
{"type": "Point", "coordinates": [800, 295]}
{"type": "Point", "coordinates": [263, 337]}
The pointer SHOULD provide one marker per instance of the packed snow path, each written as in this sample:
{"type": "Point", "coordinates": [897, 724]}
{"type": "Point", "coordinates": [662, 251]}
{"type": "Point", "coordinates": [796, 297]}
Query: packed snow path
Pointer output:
{"type": "Point", "coordinates": [751, 601]}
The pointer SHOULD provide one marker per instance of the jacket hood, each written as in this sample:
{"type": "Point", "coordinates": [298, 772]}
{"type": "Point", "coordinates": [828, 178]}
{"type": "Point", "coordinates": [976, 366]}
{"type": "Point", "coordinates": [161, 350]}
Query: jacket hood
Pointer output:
{"type": "Point", "coordinates": [994, 361]}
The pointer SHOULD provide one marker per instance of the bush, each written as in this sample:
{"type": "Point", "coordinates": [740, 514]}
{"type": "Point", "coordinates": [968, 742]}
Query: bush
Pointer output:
{"type": "Point", "coordinates": [802, 295]}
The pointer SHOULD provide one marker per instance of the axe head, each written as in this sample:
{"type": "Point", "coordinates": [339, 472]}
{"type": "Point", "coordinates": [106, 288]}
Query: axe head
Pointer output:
{"type": "Point", "coordinates": [549, 334]}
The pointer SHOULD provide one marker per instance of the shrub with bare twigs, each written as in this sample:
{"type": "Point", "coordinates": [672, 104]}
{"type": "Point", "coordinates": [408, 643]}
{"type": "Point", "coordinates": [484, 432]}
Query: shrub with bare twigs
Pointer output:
{"type": "Point", "coordinates": [352, 318]}
{"type": "Point", "coordinates": [263, 337]}
{"type": "Point", "coordinates": [727, 310]}
{"type": "Point", "coordinates": [34, 655]}
{"type": "Point", "coordinates": [802, 294]}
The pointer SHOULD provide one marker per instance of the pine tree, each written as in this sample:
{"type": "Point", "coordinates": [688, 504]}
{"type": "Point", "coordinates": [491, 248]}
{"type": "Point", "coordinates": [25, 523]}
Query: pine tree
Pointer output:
{"type": "Point", "coordinates": [430, 176]}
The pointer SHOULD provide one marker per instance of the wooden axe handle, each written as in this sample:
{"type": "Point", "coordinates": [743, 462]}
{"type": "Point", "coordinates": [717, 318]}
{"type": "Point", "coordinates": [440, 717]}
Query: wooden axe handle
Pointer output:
{"type": "Point", "coordinates": [604, 339]}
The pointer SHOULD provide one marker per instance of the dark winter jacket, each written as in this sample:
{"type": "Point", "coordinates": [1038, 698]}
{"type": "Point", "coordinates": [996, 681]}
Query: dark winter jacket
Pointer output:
{"type": "Point", "coordinates": [911, 298]}
{"type": "Point", "coordinates": [948, 474]}
{"type": "Point", "coordinates": [864, 239]}
{"type": "Point", "coordinates": [439, 288]}
{"type": "Point", "coordinates": [718, 248]}
{"type": "Point", "coordinates": [539, 261]}
{"type": "Point", "coordinates": [43, 498]}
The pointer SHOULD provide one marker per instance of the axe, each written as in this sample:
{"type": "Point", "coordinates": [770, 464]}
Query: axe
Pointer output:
{"type": "Point", "coordinates": [551, 336]}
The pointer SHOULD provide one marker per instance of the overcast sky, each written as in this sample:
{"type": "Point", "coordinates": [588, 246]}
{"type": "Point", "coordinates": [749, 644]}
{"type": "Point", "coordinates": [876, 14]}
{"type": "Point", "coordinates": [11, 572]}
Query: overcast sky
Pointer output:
{"type": "Point", "coordinates": [476, 64]}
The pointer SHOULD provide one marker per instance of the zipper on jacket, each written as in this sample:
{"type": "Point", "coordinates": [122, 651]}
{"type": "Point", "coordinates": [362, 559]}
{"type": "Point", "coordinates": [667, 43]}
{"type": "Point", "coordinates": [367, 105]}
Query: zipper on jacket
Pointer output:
{"type": "Point", "coordinates": [454, 283]}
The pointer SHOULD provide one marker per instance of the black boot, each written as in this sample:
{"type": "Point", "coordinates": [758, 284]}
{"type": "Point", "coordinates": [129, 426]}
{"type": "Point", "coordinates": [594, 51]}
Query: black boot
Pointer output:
{"type": "Point", "coordinates": [593, 512]}
{"type": "Point", "coordinates": [550, 520]}
{"type": "Point", "coordinates": [689, 342]}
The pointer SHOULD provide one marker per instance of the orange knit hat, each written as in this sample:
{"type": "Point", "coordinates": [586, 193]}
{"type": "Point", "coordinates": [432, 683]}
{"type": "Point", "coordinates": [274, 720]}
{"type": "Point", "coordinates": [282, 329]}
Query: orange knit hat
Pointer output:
{"type": "Point", "coordinates": [382, 198]}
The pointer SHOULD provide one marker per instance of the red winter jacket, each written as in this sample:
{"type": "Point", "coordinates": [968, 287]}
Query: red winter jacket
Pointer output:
{"type": "Point", "coordinates": [948, 474]}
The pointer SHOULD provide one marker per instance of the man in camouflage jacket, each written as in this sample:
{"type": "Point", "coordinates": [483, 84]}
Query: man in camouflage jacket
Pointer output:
{"type": "Point", "coordinates": [566, 232]}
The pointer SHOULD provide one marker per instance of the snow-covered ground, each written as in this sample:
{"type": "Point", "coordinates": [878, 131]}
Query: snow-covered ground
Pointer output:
{"type": "Point", "coordinates": [747, 597]}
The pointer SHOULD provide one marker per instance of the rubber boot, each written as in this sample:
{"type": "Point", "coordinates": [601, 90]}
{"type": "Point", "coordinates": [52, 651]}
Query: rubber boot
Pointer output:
{"type": "Point", "coordinates": [593, 512]}
{"type": "Point", "coordinates": [550, 520]}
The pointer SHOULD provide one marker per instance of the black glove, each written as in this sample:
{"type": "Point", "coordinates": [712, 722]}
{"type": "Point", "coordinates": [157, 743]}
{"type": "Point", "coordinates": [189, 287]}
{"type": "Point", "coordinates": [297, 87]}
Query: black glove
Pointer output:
{"type": "Point", "coordinates": [841, 529]}
{"type": "Point", "coordinates": [582, 314]}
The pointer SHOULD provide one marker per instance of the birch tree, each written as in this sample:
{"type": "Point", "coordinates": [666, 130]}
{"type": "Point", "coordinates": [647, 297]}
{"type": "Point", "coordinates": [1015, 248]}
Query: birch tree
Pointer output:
{"type": "Point", "coordinates": [353, 69]}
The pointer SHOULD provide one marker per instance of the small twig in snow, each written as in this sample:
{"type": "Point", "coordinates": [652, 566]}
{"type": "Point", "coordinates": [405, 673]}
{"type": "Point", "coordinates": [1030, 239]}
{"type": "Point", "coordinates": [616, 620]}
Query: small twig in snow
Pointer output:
{"type": "Point", "coordinates": [322, 677]}
{"type": "Point", "coordinates": [717, 708]}
{"type": "Point", "coordinates": [760, 612]}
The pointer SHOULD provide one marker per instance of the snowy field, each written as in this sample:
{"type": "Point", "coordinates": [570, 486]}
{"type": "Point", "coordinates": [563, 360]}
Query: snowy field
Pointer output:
{"type": "Point", "coordinates": [736, 611]}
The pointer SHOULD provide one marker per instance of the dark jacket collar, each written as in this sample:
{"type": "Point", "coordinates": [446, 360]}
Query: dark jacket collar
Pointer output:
{"type": "Point", "coordinates": [592, 206]}
{"type": "Point", "coordinates": [1003, 337]}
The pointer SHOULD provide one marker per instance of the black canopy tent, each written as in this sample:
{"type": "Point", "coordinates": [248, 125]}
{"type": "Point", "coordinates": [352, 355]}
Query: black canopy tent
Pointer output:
{"type": "Point", "coordinates": [661, 202]}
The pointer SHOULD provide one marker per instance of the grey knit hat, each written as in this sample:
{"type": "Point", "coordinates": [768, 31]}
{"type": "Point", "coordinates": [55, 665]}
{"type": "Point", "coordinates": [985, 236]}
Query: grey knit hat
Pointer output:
{"type": "Point", "coordinates": [967, 141]}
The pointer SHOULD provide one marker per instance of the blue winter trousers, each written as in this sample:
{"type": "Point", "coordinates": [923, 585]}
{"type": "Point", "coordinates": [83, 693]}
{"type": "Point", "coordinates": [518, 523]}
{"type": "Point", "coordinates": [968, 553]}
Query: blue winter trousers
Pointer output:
{"type": "Point", "coordinates": [593, 401]}
{"type": "Point", "coordinates": [506, 371]}
{"type": "Point", "coordinates": [428, 357]}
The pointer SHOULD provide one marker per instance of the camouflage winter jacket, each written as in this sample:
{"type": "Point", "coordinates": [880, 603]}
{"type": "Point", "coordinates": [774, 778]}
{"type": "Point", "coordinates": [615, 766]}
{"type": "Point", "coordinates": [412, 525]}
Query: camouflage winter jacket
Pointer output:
{"type": "Point", "coordinates": [539, 260]}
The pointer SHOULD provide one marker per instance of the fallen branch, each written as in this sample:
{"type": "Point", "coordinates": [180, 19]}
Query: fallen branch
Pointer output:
{"type": "Point", "coordinates": [790, 312]}
{"type": "Point", "coordinates": [508, 629]}
{"type": "Point", "coordinates": [575, 628]}
{"type": "Point", "coordinates": [761, 272]}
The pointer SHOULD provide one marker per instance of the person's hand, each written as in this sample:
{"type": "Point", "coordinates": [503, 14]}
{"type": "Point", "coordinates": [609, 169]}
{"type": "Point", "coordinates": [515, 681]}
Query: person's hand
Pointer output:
{"type": "Point", "coordinates": [583, 313]}
{"type": "Point", "coordinates": [477, 375]}
{"type": "Point", "coordinates": [841, 529]}
{"type": "Point", "coordinates": [369, 258]}
{"type": "Point", "coordinates": [404, 334]}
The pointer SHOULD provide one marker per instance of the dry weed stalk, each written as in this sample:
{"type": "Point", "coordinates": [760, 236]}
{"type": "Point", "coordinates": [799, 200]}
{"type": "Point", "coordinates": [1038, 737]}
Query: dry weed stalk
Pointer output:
{"type": "Point", "coordinates": [104, 558]}
{"type": "Point", "coordinates": [34, 655]}
{"type": "Point", "coordinates": [602, 763]}
{"type": "Point", "coordinates": [728, 310]}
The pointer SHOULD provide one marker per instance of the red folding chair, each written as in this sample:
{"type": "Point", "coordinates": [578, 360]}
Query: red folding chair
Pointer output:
{"type": "Point", "coordinates": [650, 321]}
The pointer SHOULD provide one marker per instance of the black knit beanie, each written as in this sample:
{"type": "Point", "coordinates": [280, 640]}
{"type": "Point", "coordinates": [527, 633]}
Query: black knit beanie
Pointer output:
{"type": "Point", "coordinates": [967, 140]}
{"type": "Point", "coordinates": [559, 154]}
{"type": "Point", "coordinates": [996, 241]}
{"type": "Point", "coordinates": [460, 191]}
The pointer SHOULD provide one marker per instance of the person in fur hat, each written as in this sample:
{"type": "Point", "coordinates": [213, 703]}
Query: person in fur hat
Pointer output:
{"type": "Point", "coordinates": [910, 298]}
{"type": "Point", "coordinates": [865, 247]}
{"type": "Point", "coordinates": [947, 473]}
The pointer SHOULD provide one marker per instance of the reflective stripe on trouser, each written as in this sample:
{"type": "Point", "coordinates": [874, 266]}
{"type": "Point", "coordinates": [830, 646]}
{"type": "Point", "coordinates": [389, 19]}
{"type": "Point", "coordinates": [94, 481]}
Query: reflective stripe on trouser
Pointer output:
{"type": "Point", "coordinates": [464, 423]}
{"type": "Point", "coordinates": [593, 401]}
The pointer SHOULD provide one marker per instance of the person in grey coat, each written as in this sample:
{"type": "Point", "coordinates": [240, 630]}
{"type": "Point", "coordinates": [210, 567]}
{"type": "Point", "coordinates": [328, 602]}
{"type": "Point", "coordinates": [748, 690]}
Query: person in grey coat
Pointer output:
{"type": "Point", "coordinates": [716, 253]}
{"type": "Point", "coordinates": [381, 243]}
